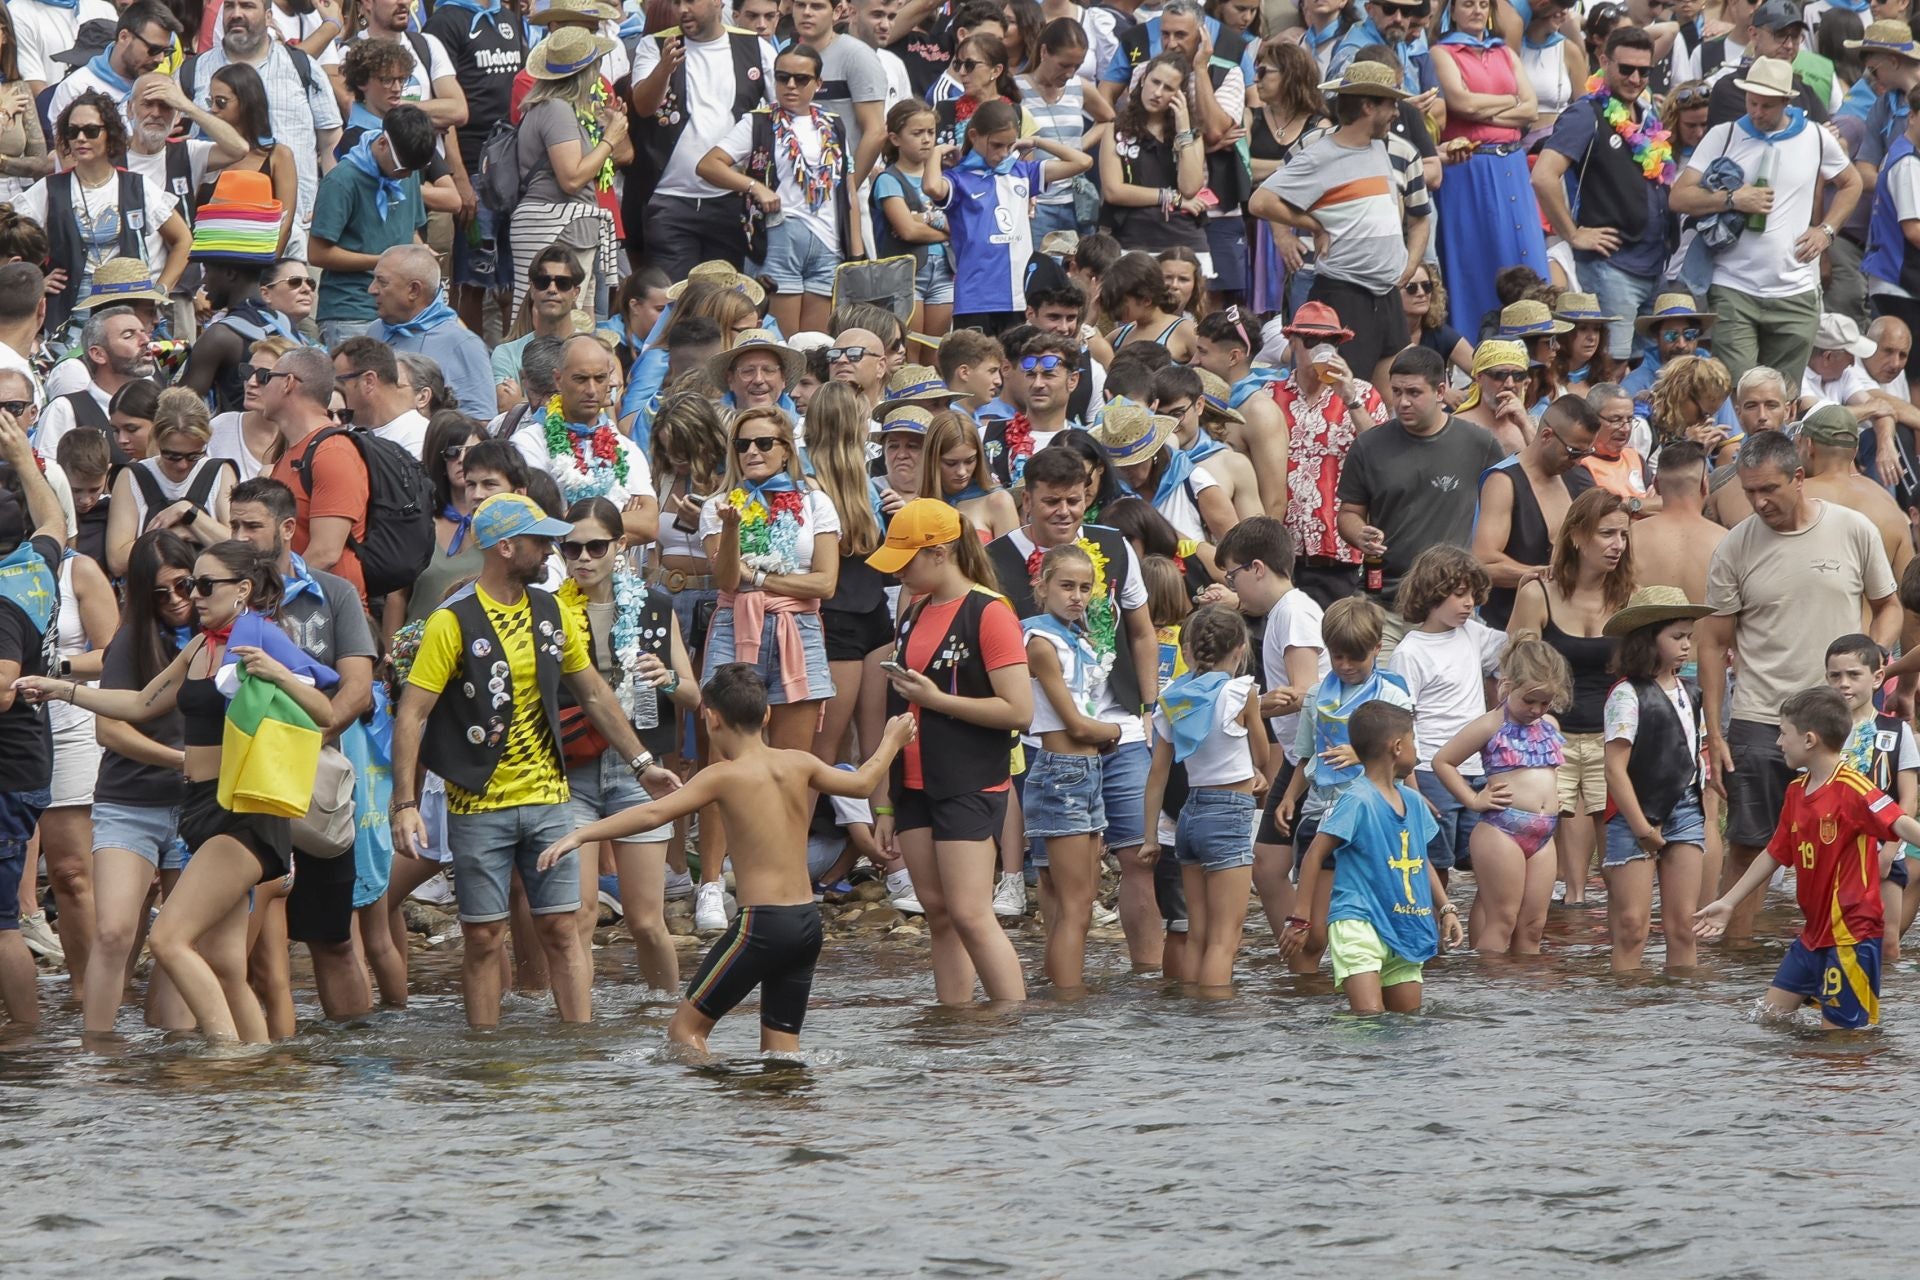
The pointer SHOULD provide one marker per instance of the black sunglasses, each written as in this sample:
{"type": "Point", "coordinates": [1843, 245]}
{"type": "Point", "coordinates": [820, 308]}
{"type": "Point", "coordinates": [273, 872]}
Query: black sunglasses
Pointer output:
{"type": "Point", "coordinates": [1506, 375]}
{"type": "Point", "coordinates": [592, 549]}
{"type": "Point", "coordinates": [17, 408]}
{"type": "Point", "coordinates": [87, 131]}
{"type": "Point", "coordinates": [966, 66]}
{"type": "Point", "coordinates": [547, 280]}
{"type": "Point", "coordinates": [181, 589]}
{"type": "Point", "coordinates": [792, 77]}
{"type": "Point", "coordinates": [342, 415]}
{"type": "Point", "coordinates": [178, 458]}
{"type": "Point", "coordinates": [203, 587]}
{"type": "Point", "coordinates": [455, 452]}
{"type": "Point", "coordinates": [1688, 96]}
{"type": "Point", "coordinates": [259, 374]}
{"type": "Point", "coordinates": [765, 444]}
{"type": "Point", "coordinates": [1632, 73]}
{"type": "Point", "coordinates": [1418, 286]}
{"type": "Point", "coordinates": [836, 354]}
{"type": "Point", "coordinates": [154, 50]}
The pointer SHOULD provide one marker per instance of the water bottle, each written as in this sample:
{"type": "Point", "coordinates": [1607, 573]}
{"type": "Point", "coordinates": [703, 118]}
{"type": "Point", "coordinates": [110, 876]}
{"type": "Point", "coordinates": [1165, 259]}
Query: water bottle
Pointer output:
{"type": "Point", "coordinates": [1762, 179]}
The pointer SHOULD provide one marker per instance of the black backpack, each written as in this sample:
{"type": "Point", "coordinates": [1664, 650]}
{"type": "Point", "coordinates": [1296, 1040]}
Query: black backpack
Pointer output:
{"type": "Point", "coordinates": [399, 539]}
{"type": "Point", "coordinates": [500, 187]}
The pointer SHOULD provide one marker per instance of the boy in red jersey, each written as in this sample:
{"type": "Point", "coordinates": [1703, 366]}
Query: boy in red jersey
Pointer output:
{"type": "Point", "coordinates": [1831, 832]}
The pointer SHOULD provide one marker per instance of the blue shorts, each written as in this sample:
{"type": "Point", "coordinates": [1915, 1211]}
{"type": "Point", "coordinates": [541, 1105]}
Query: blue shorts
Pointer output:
{"type": "Point", "coordinates": [1687, 824]}
{"type": "Point", "coordinates": [796, 261]}
{"type": "Point", "coordinates": [487, 847]}
{"type": "Point", "coordinates": [1843, 980]}
{"type": "Point", "coordinates": [1216, 829]}
{"type": "Point", "coordinates": [1062, 797]}
{"type": "Point", "coordinates": [813, 645]}
{"type": "Point", "coordinates": [476, 253]}
{"type": "Point", "coordinates": [150, 830]}
{"type": "Point", "coordinates": [1123, 794]}
{"type": "Point", "coordinates": [1449, 843]}
{"type": "Point", "coordinates": [933, 283]}
{"type": "Point", "coordinates": [605, 787]}
{"type": "Point", "coordinates": [19, 814]}
{"type": "Point", "coordinates": [1227, 241]}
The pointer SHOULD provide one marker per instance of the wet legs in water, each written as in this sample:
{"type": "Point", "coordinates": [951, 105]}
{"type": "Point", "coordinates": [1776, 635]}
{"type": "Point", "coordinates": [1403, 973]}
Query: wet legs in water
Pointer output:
{"type": "Point", "coordinates": [1512, 894]}
{"type": "Point", "coordinates": [1216, 914]}
{"type": "Point", "coordinates": [1365, 995]}
{"type": "Point", "coordinates": [201, 941]}
{"type": "Point", "coordinates": [1630, 906]}
{"type": "Point", "coordinates": [956, 889]}
{"type": "Point", "coordinates": [66, 858]}
{"type": "Point", "coordinates": [1073, 868]}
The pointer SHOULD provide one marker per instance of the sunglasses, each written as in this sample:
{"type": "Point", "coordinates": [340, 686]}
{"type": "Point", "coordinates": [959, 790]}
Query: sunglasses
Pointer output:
{"type": "Point", "coordinates": [455, 452]}
{"type": "Point", "coordinates": [1045, 364]}
{"type": "Point", "coordinates": [293, 282]}
{"type": "Point", "coordinates": [1631, 73]}
{"type": "Point", "coordinates": [1689, 96]}
{"type": "Point", "coordinates": [1506, 375]}
{"type": "Point", "coordinates": [592, 549]}
{"type": "Point", "coordinates": [546, 280]}
{"type": "Point", "coordinates": [1573, 451]}
{"type": "Point", "coordinates": [181, 589]}
{"type": "Point", "coordinates": [1418, 287]}
{"type": "Point", "coordinates": [180, 459]}
{"type": "Point", "coordinates": [850, 354]}
{"type": "Point", "coordinates": [18, 408]}
{"type": "Point", "coordinates": [765, 444]}
{"type": "Point", "coordinates": [219, 101]}
{"type": "Point", "coordinates": [259, 375]}
{"type": "Point", "coordinates": [154, 50]}
{"type": "Point", "coordinates": [341, 415]}
{"type": "Point", "coordinates": [203, 587]}
{"type": "Point", "coordinates": [88, 131]}
{"type": "Point", "coordinates": [800, 78]}
{"type": "Point", "coordinates": [1674, 335]}
{"type": "Point", "coordinates": [967, 66]}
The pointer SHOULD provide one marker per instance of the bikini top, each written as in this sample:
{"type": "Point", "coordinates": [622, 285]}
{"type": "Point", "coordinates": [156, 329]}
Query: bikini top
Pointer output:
{"type": "Point", "coordinates": [1539, 745]}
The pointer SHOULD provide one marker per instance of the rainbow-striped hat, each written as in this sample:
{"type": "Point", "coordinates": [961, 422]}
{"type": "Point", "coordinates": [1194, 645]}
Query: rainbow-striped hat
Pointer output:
{"type": "Point", "coordinates": [241, 223]}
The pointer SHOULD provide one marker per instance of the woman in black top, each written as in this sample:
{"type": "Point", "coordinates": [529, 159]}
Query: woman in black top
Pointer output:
{"type": "Point", "coordinates": [1291, 109]}
{"type": "Point", "coordinates": [1423, 300]}
{"type": "Point", "coordinates": [1154, 165]}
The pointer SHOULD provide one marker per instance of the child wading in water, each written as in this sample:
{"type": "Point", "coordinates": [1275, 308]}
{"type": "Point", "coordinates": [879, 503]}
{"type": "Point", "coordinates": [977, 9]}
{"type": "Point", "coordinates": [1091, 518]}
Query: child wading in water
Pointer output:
{"type": "Point", "coordinates": [1521, 747]}
{"type": "Point", "coordinates": [765, 797]}
{"type": "Point", "coordinates": [1830, 814]}
{"type": "Point", "coordinates": [1209, 721]}
{"type": "Point", "coordinates": [1653, 738]}
{"type": "Point", "coordinates": [1380, 922]}
{"type": "Point", "coordinates": [1063, 801]}
{"type": "Point", "coordinates": [1882, 749]}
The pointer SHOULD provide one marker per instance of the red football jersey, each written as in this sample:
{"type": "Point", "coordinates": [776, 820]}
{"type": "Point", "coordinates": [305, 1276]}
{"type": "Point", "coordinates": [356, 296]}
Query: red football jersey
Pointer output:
{"type": "Point", "coordinates": [1831, 838]}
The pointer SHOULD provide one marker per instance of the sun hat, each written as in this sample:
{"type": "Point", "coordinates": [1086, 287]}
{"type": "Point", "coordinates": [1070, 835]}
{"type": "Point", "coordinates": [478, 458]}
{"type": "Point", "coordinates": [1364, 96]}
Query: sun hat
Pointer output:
{"type": "Point", "coordinates": [911, 418]}
{"type": "Point", "coordinates": [1650, 605]}
{"type": "Point", "coordinates": [567, 52]}
{"type": "Point", "coordinates": [1831, 424]}
{"type": "Point", "coordinates": [1768, 77]}
{"type": "Point", "coordinates": [792, 363]}
{"type": "Point", "coordinates": [1889, 36]}
{"type": "Point", "coordinates": [1673, 306]}
{"type": "Point", "coordinates": [241, 224]}
{"type": "Point", "coordinates": [1582, 308]}
{"type": "Point", "coordinates": [119, 280]}
{"type": "Point", "coordinates": [924, 522]}
{"type": "Point", "coordinates": [1317, 320]}
{"type": "Point", "coordinates": [808, 341]}
{"type": "Point", "coordinates": [1059, 244]}
{"type": "Point", "coordinates": [514, 515]}
{"type": "Point", "coordinates": [1131, 433]}
{"type": "Point", "coordinates": [1366, 80]}
{"type": "Point", "coordinates": [724, 274]}
{"type": "Point", "coordinates": [589, 11]}
{"type": "Point", "coordinates": [1492, 354]}
{"type": "Point", "coordinates": [918, 384]}
{"type": "Point", "coordinates": [1842, 333]}
{"type": "Point", "coordinates": [1216, 398]}
{"type": "Point", "coordinates": [1529, 319]}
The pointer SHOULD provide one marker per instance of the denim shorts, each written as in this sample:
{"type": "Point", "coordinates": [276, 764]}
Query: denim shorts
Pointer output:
{"type": "Point", "coordinates": [488, 846]}
{"type": "Point", "coordinates": [19, 814]}
{"type": "Point", "coordinates": [796, 261]}
{"type": "Point", "coordinates": [1123, 795]}
{"type": "Point", "coordinates": [1216, 829]}
{"type": "Point", "coordinates": [813, 646]}
{"type": "Point", "coordinates": [1063, 796]}
{"type": "Point", "coordinates": [1687, 824]}
{"type": "Point", "coordinates": [605, 787]}
{"type": "Point", "coordinates": [150, 830]}
{"type": "Point", "coordinates": [476, 252]}
{"type": "Point", "coordinates": [933, 282]}
{"type": "Point", "coordinates": [1456, 821]}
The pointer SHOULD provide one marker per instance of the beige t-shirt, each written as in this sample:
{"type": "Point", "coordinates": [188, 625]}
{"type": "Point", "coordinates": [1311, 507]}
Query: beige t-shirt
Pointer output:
{"type": "Point", "coordinates": [1793, 594]}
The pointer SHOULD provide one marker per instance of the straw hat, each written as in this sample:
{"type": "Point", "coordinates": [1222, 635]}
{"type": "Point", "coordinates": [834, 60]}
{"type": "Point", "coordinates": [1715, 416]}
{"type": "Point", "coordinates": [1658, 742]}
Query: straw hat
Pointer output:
{"type": "Point", "coordinates": [1132, 433]}
{"type": "Point", "coordinates": [1529, 319]}
{"type": "Point", "coordinates": [1673, 306]}
{"type": "Point", "coordinates": [1887, 37]}
{"type": "Point", "coordinates": [902, 417]}
{"type": "Point", "coordinates": [1216, 396]}
{"type": "Point", "coordinates": [1768, 77]}
{"type": "Point", "coordinates": [919, 384]}
{"type": "Point", "coordinates": [1651, 605]}
{"type": "Point", "coordinates": [567, 52]}
{"type": "Point", "coordinates": [241, 223]}
{"type": "Point", "coordinates": [792, 363]}
{"type": "Point", "coordinates": [120, 280]}
{"type": "Point", "coordinates": [1582, 308]}
{"type": "Point", "coordinates": [724, 274]}
{"type": "Point", "coordinates": [1059, 244]}
{"type": "Point", "coordinates": [592, 12]}
{"type": "Point", "coordinates": [1366, 80]}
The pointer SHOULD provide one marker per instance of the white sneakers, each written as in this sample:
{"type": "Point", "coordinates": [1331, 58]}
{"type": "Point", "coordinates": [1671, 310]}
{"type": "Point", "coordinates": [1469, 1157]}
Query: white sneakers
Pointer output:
{"type": "Point", "coordinates": [900, 894]}
{"type": "Point", "coordinates": [1104, 917]}
{"type": "Point", "coordinates": [1010, 895]}
{"type": "Point", "coordinates": [40, 937]}
{"type": "Point", "coordinates": [710, 908]}
{"type": "Point", "coordinates": [679, 885]}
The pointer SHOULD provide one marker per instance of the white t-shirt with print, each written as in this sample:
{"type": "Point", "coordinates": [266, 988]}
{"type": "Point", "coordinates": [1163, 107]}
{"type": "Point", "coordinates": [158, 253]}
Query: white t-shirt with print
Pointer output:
{"type": "Point", "coordinates": [821, 222]}
{"type": "Point", "coordinates": [709, 78]}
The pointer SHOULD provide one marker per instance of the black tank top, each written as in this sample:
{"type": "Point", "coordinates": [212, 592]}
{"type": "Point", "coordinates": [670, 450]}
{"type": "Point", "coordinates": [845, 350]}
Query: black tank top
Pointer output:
{"type": "Point", "coordinates": [203, 712]}
{"type": "Point", "coordinates": [1589, 656]}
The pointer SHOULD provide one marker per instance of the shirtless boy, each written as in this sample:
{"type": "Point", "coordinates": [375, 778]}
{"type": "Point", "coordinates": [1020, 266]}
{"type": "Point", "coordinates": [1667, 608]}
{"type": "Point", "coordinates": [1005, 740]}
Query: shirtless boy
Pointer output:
{"type": "Point", "coordinates": [1671, 547]}
{"type": "Point", "coordinates": [766, 799]}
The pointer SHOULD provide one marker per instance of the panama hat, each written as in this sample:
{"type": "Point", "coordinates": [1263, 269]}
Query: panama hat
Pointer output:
{"type": "Point", "coordinates": [1887, 37]}
{"type": "Point", "coordinates": [240, 224]}
{"type": "Point", "coordinates": [1650, 605]}
{"type": "Point", "coordinates": [919, 384]}
{"type": "Point", "coordinates": [1216, 398]}
{"type": "Point", "coordinates": [1529, 319]}
{"type": "Point", "coordinates": [1582, 308]}
{"type": "Point", "coordinates": [1768, 77]}
{"type": "Point", "coordinates": [1366, 80]}
{"type": "Point", "coordinates": [792, 363]}
{"type": "Point", "coordinates": [724, 274]}
{"type": "Point", "coordinates": [1132, 433]}
{"type": "Point", "coordinates": [567, 52]}
{"type": "Point", "coordinates": [1673, 306]}
{"type": "Point", "coordinates": [912, 418]}
{"type": "Point", "coordinates": [120, 280]}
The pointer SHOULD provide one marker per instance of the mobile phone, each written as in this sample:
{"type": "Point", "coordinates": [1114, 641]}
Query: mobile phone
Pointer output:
{"type": "Point", "coordinates": [682, 523]}
{"type": "Point", "coordinates": [892, 668]}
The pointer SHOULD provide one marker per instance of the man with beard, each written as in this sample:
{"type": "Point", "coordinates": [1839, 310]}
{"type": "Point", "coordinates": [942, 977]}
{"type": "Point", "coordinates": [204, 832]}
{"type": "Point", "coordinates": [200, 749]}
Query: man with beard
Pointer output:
{"type": "Point", "coordinates": [177, 167]}
{"type": "Point", "coordinates": [481, 709]}
{"type": "Point", "coordinates": [114, 348]}
{"type": "Point", "coordinates": [141, 41]}
{"type": "Point", "coordinates": [305, 116]}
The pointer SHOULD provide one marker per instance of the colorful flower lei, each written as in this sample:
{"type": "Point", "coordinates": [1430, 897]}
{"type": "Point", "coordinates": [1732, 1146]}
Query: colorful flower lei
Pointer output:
{"type": "Point", "coordinates": [637, 696]}
{"type": "Point", "coordinates": [1018, 436]}
{"type": "Point", "coordinates": [769, 528]}
{"type": "Point", "coordinates": [1650, 141]}
{"type": "Point", "coordinates": [1103, 621]}
{"type": "Point", "coordinates": [590, 125]}
{"type": "Point", "coordinates": [592, 471]}
{"type": "Point", "coordinates": [816, 180]}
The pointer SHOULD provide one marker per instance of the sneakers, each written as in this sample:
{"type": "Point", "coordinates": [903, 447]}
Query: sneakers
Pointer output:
{"type": "Point", "coordinates": [679, 884]}
{"type": "Point", "coordinates": [436, 891]}
{"type": "Point", "coordinates": [40, 937]}
{"type": "Point", "coordinates": [610, 896]}
{"type": "Point", "coordinates": [900, 893]}
{"type": "Point", "coordinates": [710, 908]}
{"type": "Point", "coordinates": [1104, 917]}
{"type": "Point", "coordinates": [1010, 895]}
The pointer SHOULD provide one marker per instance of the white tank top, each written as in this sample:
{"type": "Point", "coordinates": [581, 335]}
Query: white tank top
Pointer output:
{"type": "Point", "coordinates": [70, 638]}
{"type": "Point", "coordinates": [174, 492]}
{"type": "Point", "coordinates": [669, 540]}
{"type": "Point", "coordinates": [1547, 71]}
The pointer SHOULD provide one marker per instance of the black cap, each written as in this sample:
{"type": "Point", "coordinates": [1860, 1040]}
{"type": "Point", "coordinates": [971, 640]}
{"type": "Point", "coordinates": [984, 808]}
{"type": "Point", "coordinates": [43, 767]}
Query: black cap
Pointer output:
{"type": "Point", "coordinates": [1778, 15]}
{"type": "Point", "coordinates": [94, 35]}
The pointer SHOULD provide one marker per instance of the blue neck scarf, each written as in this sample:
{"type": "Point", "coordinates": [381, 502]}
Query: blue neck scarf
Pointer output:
{"type": "Point", "coordinates": [431, 317]}
{"type": "Point", "coordinates": [1189, 703]}
{"type": "Point", "coordinates": [102, 66]}
{"type": "Point", "coordinates": [1487, 41]}
{"type": "Point", "coordinates": [361, 118]}
{"type": "Point", "coordinates": [462, 525]}
{"type": "Point", "coordinates": [1086, 661]}
{"type": "Point", "coordinates": [63, 4]}
{"type": "Point", "coordinates": [1314, 40]}
{"type": "Point", "coordinates": [1333, 704]}
{"type": "Point", "coordinates": [300, 580]}
{"type": "Point", "coordinates": [976, 162]}
{"type": "Point", "coordinates": [1796, 121]}
{"type": "Point", "coordinates": [481, 12]}
{"type": "Point", "coordinates": [182, 636]}
{"type": "Point", "coordinates": [1175, 475]}
{"type": "Point", "coordinates": [1553, 38]}
{"type": "Point", "coordinates": [778, 482]}
{"type": "Point", "coordinates": [967, 494]}
{"type": "Point", "coordinates": [1257, 377]}
{"type": "Point", "coordinates": [360, 156]}
{"type": "Point", "coordinates": [1204, 447]}
{"type": "Point", "coordinates": [26, 580]}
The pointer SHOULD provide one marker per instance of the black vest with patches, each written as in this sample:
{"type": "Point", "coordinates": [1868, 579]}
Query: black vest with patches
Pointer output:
{"type": "Point", "coordinates": [970, 757]}
{"type": "Point", "coordinates": [65, 247]}
{"type": "Point", "coordinates": [1016, 582]}
{"type": "Point", "coordinates": [655, 136]}
{"type": "Point", "coordinates": [467, 729]}
{"type": "Point", "coordinates": [763, 166]}
{"type": "Point", "coordinates": [1660, 767]}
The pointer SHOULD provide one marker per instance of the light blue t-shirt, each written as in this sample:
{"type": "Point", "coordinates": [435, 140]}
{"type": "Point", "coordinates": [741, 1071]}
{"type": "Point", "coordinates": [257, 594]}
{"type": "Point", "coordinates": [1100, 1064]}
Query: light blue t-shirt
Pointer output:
{"type": "Point", "coordinates": [887, 186]}
{"type": "Point", "coordinates": [1380, 867]}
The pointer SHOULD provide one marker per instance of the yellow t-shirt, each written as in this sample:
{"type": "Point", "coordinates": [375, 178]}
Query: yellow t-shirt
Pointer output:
{"type": "Point", "coordinates": [529, 770]}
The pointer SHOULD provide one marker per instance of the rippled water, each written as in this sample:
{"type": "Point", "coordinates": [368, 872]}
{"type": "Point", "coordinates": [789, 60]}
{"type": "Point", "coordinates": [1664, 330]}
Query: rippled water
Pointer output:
{"type": "Point", "coordinates": [1541, 1118]}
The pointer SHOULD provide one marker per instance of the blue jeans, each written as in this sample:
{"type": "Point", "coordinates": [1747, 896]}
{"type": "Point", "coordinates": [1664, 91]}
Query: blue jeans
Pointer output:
{"type": "Point", "coordinates": [1621, 294]}
{"type": "Point", "coordinates": [487, 847]}
{"type": "Point", "coordinates": [1449, 843]}
{"type": "Point", "coordinates": [19, 814]}
{"type": "Point", "coordinates": [1053, 217]}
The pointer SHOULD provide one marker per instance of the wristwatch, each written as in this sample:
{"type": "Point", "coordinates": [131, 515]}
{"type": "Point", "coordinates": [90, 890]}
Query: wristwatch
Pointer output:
{"type": "Point", "coordinates": [1832, 235]}
{"type": "Point", "coordinates": [641, 763]}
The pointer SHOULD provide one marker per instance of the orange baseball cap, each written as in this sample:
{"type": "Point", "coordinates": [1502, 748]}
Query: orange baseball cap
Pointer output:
{"type": "Point", "coordinates": [924, 522]}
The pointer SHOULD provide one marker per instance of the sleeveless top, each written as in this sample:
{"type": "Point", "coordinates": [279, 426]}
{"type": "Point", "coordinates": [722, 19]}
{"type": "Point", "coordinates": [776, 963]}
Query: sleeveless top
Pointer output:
{"type": "Point", "coordinates": [174, 492]}
{"type": "Point", "coordinates": [1546, 68]}
{"type": "Point", "coordinates": [70, 638]}
{"type": "Point", "coordinates": [442, 571]}
{"type": "Point", "coordinates": [1589, 657]}
{"type": "Point", "coordinates": [671, 541]}
{"type": "Point", "coordinates": [1125, 331]}
{"type": "Point", "coordinates": [1481, 71]}
{"type": "Point", "coordinates": [203, 711]}
{"type": "Point", "coordinates": [1524, 746]}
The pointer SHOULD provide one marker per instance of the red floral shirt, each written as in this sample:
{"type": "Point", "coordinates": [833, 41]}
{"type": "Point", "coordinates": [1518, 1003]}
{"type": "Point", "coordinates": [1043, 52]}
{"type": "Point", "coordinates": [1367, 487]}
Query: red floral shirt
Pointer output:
{"type": "Point", "coordinates": [1318, 437]}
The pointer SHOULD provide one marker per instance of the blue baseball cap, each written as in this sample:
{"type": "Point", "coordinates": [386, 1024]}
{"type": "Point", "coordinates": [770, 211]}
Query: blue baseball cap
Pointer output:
{"type": "Point", "coordinates": [514, 515]}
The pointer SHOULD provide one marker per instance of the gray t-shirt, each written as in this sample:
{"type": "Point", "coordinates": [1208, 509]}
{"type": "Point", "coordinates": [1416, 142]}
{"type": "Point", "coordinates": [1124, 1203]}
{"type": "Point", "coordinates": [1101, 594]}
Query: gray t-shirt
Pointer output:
{"type": "Point", "coordinates": [329, 627]}
{"type": "Point", "coordinates": [547, 124]}
{"type": "Point", "coordinates": [1363, 197]}
{"type": "Point", "coordinates": [1418, 490]}
{"type": "Point", "coordinates": [851, 72]}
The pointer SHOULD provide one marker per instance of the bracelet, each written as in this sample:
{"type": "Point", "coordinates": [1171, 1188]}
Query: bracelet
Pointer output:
{"type": "Point", "coordinates": [1449, 910]}
{"type": "Point", "coordinates": [1298, 920]}
{"type": "Point", "coordinates": [1185, 138]}
{"type": "Point", "coordinates": [883, 811]}
{"type": "Point", "coordinates": [399, 806]}
{"type": "Point", "coordinates": [671, 687]}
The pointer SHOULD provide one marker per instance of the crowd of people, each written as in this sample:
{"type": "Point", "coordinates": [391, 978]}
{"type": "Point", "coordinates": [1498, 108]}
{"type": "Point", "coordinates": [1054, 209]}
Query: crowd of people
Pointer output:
{"type": "Point", "coordinates": [578, 456]}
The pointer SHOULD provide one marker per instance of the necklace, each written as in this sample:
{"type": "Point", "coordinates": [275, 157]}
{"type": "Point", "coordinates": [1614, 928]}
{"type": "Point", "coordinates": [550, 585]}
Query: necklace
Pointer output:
{"type": "Point", "coordinates": [1651, 144]}
{"type": "Point", "coordinates": [595, 461]}
{"type": "Point", "coordinates": [769, 527]}
{"type": "Point", "coordinates": [96, 258]}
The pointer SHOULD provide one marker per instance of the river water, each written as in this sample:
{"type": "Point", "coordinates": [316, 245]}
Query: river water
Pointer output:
{"type": "Point", "coordinates": [1539, 1119]}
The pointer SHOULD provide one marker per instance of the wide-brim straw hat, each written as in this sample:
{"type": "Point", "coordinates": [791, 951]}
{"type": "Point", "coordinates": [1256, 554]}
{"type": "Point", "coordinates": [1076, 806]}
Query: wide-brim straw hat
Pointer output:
{"type": "Point", "coordinates": [724, 274]}
{"type": "Point", "coordinates": [1132, 433]}
{"type": "Point", "coordinates": [1529, 318]}
{"type": "Point", "coordinates": [792, 363]}
{"type": "Point", "coordinates": [1366, 80]}
{"type": "Point", "coordinates": [919, 384]}
{"type": "Point", "coordinates": [567, 52]}
{"type": "Point", "coordinates": [1673, 306]}
{"type": "Point", "coordinates": [1887, 37]}
{"type": "Point", "coordinates": [593, 11]}
{"type": "Point", "coordinates": [1216, 398]}
{"type": "Point", "coordinates": [122, 280]}
{"type": "Point", "coordinates": [902, 417]}
{"type": "Point", "coordinates": [1652, 605]}
{"type": "Point", "coordinates": [1582, 308]}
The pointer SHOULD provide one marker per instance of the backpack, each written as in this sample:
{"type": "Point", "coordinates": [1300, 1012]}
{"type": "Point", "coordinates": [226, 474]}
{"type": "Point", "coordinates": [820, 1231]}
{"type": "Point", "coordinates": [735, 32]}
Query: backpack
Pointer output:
{"type": "Point", "coordinates": [199, 493]}
{"type": "Point", "coordinates": [399, 537]}
{"type": "Point", "coordinates": [302, 64]}
{"type": "Point", "coordinates": [500, 187]}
